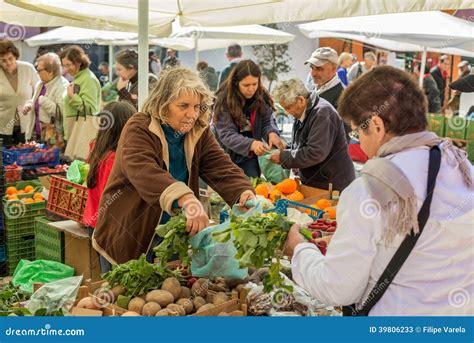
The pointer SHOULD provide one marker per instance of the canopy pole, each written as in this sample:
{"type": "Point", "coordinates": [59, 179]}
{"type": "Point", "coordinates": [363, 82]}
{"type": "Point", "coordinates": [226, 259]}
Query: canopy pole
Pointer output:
{"type": "Point", "coordinates": [422, 67]}
{"type": "Point", "coordinates": [143, 6]}
{"type": "Point", "coordinates": [111, 62]}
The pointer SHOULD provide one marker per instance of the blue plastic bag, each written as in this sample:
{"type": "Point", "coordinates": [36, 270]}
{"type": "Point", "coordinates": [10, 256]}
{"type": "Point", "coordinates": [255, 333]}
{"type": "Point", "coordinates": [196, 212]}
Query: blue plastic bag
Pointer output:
{"type": "Point", "coordinates": [212, 259]}
{"type": "Point", "coordinates": [272, 172]}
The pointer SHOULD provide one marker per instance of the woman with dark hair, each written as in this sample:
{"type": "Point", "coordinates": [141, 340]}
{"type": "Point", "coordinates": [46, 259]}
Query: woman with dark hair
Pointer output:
{"type": "Point", "coordinates": [404, 241]}
{"type": "Point", "coordinates": [82, 100]}
{"type": "Point", "coordinates": [243, 117]}
{"type": "Point", "coordinates": [17, 83]}
{"type": "Point", "coordinates": [126, 65]}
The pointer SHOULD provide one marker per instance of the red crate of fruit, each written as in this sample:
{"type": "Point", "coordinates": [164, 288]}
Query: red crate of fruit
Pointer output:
{"type": "Point", "coordinates": [13, 173]}
{"type": "Point", "coordinates": [67, 199]}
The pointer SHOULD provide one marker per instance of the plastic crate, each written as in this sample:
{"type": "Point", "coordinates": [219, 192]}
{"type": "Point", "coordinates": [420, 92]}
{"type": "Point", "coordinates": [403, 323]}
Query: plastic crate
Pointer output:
{"type": "Point", "coordinates": [28, 156]}
{"type": "Point", "coordinates": [456, 128]}
{"type": "Point", "coordinates": [49, 242]}
{"type": "Point", "coordinates": [3, 253]}
{"type": "Point", "coordinates": [281, 207]}
{"type": "Point", "coordinates": [18, 249]}
{"type": "Point", "coordinates": [3, 269]}
{"type": "Point", "coordinates": [19, 218]}
{"type": "Point", "coordinates": [437, 124]}
{"type": "Point", "coordinates": [470, 130]}
{"type": "Point", "coordinates": [67, 199]}
{"type": "Point", "coordinates": [13, 174]}
{"type": "Point", "coordinates": [20, 185]}
{"type": "Point", "coordinates": [470, 151]}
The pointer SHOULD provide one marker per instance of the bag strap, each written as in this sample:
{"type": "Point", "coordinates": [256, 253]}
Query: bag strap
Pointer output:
{"type": "Point", "coordinates": [408, 243]}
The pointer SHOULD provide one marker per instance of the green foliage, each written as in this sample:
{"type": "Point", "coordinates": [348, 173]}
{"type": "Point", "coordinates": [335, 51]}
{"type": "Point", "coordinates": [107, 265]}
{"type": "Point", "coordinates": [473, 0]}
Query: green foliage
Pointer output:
{"type": "Point", "coordinates": [273, 59]}
{"type": "Point", "coordinates": [259, 240]}
{"type": "Point", "coordinates": [175, 241]}
{"type": "Point", "coordinates": [139, 276]}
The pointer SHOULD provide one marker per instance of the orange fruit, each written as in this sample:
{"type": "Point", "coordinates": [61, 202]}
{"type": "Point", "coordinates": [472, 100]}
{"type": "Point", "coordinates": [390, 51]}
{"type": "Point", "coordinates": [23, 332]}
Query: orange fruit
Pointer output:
{"type": "Point", "coordinates": [12, 197]}
{"type": "Point", "coordinates": [262, 190]}
{"type": "Point", "coordinates": [308, 211]}
{"type": "Point", "coordinates": [274, 194]}
{"type": "Point", "coordinates": [28, 200]}
{"type": "Point", "coordinates": [21, 191]}
{"type": "Point", "coordinates": [296, 196]}
{"type": "Point", "coordinates": [287, 186]}
{"type": "Point", "coordinates": [323, 203]}
{"type": "Point", "coordinates": [11, 190]}
{"type": "Point", "coordinates": [29, 189]}
{"type": "Point", "coordinates": [38, 195]}
{"type": "Point", "coordinates": [38, 200]}
{"type": "Point", "coordinates": [331, 211]}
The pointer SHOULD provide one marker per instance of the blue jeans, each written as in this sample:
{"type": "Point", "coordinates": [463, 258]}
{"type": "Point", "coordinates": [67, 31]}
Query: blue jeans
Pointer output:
{"type": "Point", "coordinates": [105, 266]}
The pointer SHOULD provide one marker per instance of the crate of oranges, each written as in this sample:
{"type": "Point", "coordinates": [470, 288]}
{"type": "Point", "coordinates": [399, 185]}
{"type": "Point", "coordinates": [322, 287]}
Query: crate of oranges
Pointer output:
{"type": "Point", "coordinates": [21, 206]}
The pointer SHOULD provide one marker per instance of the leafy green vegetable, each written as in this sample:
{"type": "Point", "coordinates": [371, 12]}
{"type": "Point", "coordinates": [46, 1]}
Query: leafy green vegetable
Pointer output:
{"type": "Point", "coordinates": [138, 276]}
{"type": "Point", "coordinates": [259, 239]}
{"type": "Point", "coordinates": [176, 241]}
{"type": "Point", "coordinates": [10, 294]}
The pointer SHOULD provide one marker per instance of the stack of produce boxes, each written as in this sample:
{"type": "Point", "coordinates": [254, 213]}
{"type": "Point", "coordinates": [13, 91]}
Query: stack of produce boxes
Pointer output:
{"type": "Point", "coordinates": [470, 140]}
{"type": "Point", "coordinates": [22, 203]}
{"type": "Point", "coordinates": [3, 257]}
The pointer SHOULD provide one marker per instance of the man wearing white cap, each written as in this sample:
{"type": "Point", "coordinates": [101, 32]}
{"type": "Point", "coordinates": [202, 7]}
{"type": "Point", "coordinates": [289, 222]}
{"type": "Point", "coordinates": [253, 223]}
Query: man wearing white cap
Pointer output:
{"type": "Point", "coordinates": [323, 63]}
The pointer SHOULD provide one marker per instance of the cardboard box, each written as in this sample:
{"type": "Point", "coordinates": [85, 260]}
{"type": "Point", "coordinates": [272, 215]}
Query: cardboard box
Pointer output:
{"type": "Point", "coordinates": [85, 312]}
{"type": "Point", "coordinates": [78, 250]}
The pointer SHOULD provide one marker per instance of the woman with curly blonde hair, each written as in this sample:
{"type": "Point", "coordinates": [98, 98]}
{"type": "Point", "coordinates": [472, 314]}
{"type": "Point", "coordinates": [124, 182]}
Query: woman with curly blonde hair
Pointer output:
{"type": "Point", "coordinates": [162, 152]}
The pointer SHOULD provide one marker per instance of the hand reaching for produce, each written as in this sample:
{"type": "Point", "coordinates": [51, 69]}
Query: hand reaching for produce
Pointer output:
{"type": "Point", "coordinates": [276, 141]}
{"type": "Point", "coordinates": [294, 238]}
{"type": "Point", "coordinates": [244, 197]}
{"type": "Point", "coordinates": [196, 216]}
{"type": "Point", "coordinates": [275, 158]}
{"type": "Point", "coordinates": [259, 148]}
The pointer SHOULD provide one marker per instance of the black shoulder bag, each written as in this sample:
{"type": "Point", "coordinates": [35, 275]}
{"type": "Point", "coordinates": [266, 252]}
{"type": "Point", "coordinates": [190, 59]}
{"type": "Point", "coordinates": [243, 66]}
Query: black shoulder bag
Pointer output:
{"type": "Point", "coordinates": [405, 248]}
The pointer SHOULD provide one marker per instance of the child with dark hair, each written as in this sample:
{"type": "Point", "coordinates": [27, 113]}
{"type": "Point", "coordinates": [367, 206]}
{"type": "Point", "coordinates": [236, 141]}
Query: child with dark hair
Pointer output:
{"type": "Point", "coordinates": [112, 120]}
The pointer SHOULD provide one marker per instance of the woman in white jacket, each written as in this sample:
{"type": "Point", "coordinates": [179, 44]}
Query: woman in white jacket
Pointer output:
{"type": "Point", "coordinates": [17, 82]}
{"type": "Point", "coordinates": [386, 109]}
{"type": "Point", "coordinates": [47, 103]}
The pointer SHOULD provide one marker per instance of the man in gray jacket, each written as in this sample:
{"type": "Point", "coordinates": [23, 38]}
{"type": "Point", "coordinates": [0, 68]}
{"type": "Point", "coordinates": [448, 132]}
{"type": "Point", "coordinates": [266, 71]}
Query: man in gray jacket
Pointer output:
{"type": "Point", "coordinates": [319, 146]}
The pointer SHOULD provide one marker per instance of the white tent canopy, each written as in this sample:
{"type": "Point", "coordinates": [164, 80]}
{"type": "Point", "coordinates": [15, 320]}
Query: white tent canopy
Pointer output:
{"type": "Point", "coordinates": [76, 35]}
{"type": "Point", "coordinates": [388, 44]}
{"type": "Point", "coordinates": [21, 17]}
{"type": "Point", "coordinates": [181, 41]}
{"type": "Point", "coordinates": [156, 16]}
{"type": "Point", "coordinates": [430, 29]}
{"type": "Point", "coordinates": [122, 15]}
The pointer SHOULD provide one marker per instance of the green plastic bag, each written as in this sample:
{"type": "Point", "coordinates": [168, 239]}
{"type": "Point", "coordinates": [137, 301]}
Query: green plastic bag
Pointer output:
{"type": "Point", "coordinates": [272, 172]}
{"type": "Point", "coordinates": [77, 172]}
{"type": "Point", "coordinates": [212, 259]}
{"type": "Point", "coordinates": [27, 273]}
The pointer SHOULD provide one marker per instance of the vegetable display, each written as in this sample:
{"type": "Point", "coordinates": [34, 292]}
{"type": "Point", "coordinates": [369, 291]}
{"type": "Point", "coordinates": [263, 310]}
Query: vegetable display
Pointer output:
{"type": "Point", "coordinates": [175, 241]}
{"type": "Point", "coordinates": [259, 239]}
{"type": "Point", "coordinates": [138, 277]}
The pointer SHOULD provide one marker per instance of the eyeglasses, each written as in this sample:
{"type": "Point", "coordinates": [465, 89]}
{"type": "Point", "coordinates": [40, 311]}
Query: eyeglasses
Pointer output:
{"type": "Point", "coordinates": [40, 70]}
{"type": "Point", "coordinates": [354, 134]}
{"type": "Point", "coordinates": [67, 65]}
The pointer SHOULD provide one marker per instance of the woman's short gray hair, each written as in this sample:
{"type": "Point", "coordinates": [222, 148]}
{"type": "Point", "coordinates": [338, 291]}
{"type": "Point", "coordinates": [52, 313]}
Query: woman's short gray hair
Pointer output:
{"type": "Point", "coordinates": [289, 90]}
{"type": "Point", "coordinates": [52, 63]}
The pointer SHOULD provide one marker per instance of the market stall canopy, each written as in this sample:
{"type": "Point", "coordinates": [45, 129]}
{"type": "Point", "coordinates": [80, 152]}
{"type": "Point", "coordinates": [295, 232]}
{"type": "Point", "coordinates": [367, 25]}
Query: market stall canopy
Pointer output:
{"type": "Point", "coordinates": [432, 29]}
{"type": "Point", "coordinates": [76, 35]}
{"type": "Point", "coordinates": [18, 16]}
{"type": "Point", "coordinates": [209, 37]}
{"type": "Point", "coordinates": [122, 15]}
{"type": "Point", "coordinates": [388, 44]}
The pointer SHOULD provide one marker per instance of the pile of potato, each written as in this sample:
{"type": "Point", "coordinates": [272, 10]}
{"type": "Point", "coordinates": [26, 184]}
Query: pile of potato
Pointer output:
{"type": "Point", "coordinates": [176, 300]}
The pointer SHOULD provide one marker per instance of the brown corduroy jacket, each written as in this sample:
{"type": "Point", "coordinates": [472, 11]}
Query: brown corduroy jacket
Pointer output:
{"type": "Point", "coordinates": [140, 188]}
